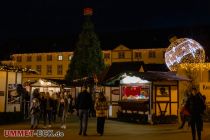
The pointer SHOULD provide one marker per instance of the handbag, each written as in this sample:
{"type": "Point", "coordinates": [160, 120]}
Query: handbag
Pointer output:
{"type": "Point", "coordinates": [185, 111]}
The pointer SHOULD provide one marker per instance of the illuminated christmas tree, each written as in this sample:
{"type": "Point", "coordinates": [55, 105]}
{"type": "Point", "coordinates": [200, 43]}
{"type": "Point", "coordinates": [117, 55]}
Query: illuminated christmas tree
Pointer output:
{"type": "Point", "coordinates": [87, 61]}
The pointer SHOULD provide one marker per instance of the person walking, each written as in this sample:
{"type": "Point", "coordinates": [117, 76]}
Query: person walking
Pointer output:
{"type": "Point", "coordinates": [62, 110]}
{"type": "Point", "coordinates": [196, 107]}
{"type": "Point", "coordinates": [54, 107]}
{"type": "Point", "coordinates": [48, 106]}
{"type": "Point", "coordinates": [43, 114]}
{"type": "Point", "coordinates": [83, 104]}
{"type": "Point", "coordinates": [184, 112]}
{"type": "Point", "coordinates": [101, 107]}
{"type": "Point", "coordinates": [70, 103]}
{"type": "Point", "coordinates": [35, 110]}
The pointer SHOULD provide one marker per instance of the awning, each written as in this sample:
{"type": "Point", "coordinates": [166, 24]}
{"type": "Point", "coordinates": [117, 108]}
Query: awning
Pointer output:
{"type": "Point", "coordinates": [150, 76]}
{"type": "Point", "coordinates": [44, 83]}
{"type": "Point", "coordinates": [127, 79]}
{"type": "Point", "coordinates": [121, 67]}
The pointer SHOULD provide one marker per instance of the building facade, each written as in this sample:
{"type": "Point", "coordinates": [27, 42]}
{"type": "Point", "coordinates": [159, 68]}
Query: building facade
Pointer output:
{"type": "Point", "coordinates": [199, 73]}
{"type": "Point", "coordinates": [53, 65]}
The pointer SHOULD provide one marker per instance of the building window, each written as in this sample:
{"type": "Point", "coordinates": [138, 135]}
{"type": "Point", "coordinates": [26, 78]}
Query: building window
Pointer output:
{"type": "Point", "coordinates": [39, 58]}
{"type": "Point", "coordinates": [29, 58]}
{"type": "Point", "coordinates": [121, 55]}
{"type": "Point", "coordinates": [70, 57]}
{"type": "Point", "coordinates": [49, 57]}
{"type": "Point", "coordinates": [19, 58]}
{"type": "Point", "coordinates": [152, 54]}
{"type": "Point", "coordinates": [59, 69]}
{"type": "Point", "coordinates": [60, 57]}
{"type": "Point", "coordinates": [39, 68]}
{"type": "Point", "coordinates": [138, 55]}
{"type": "Point", "coordinates": [49, 69]}
{"type": "Point", "coordinates": [106, 55]}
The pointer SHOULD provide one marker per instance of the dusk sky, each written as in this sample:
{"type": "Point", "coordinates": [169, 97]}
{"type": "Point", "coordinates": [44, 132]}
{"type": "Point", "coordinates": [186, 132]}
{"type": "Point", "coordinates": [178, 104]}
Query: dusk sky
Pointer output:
{"type": "Point", "coordinates": [35, 25]}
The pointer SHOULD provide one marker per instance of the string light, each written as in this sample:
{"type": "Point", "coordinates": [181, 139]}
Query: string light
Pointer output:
{"type": "Point", "coordinates": [183, 50]}
{"type": "Point", "coordinates": [17, 69]}
{"type": "Point", "coordinates": [195, 66]}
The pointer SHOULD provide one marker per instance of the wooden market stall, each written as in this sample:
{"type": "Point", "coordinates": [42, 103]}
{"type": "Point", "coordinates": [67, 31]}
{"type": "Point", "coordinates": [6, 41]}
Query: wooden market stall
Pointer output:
{"type": "Point", "coordinates": [145, 96]}
{"type": "Point", "coordinates": [11, 98]}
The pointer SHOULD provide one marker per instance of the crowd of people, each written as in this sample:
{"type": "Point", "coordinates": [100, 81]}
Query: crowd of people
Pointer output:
{"type": "Point", "coordinates": [46, 107]}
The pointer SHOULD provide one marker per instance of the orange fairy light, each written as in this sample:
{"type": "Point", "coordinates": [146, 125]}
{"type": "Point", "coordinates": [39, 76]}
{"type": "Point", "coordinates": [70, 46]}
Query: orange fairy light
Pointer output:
{"type": "Point", "coordinates": [88, 11]}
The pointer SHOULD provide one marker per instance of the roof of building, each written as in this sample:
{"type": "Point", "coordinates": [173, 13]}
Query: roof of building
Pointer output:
{"type": "Point", "coordinates": [150, 76]}
{"type": "Point", "coordinates": [119, 67]}
{"type": "Point", "coordinates": [155, 67]}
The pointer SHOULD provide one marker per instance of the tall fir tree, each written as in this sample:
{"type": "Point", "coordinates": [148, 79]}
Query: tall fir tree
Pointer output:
{"type": "Point", "coordinates": [87, 61]}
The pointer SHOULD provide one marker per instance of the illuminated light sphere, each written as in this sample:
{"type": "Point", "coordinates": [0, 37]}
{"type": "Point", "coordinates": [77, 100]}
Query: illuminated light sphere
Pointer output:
{"type": "Point", "coordinates": [183, 50]}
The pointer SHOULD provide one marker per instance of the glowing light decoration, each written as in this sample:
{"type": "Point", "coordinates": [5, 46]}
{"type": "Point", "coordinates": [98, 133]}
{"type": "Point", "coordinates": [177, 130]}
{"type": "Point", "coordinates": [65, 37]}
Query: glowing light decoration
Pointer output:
{"type": "Point", "coordinates": [195, 66]}
{"type": "Point", "coordinates": [45, 83]}
{"type": "Point", "coordinates": [132, 80]}
{"type": "Point", "coordinates": [88, 11]}
{"type": "Point", "coordinates": [183, 50]}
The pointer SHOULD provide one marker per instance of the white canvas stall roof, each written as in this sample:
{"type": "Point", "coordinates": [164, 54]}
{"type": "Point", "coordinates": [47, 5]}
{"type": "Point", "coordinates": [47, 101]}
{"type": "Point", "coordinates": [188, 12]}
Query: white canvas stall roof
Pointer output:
{"type": "Point", "coordinates": [44, 83]}
{"type": "Point", "coordinates": [132, 80]}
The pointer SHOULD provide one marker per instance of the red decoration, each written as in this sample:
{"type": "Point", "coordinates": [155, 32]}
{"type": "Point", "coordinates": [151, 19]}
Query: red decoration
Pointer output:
{"type": "Point", "coordinates": [88, 11]}
{"type": "Point", "coordinates": [134, 91]}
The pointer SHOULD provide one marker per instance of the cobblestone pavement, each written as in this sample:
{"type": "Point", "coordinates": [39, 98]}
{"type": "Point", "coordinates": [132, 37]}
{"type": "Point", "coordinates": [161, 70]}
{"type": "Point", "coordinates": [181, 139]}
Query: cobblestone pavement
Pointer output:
{"type": "Point", "coordinates": [113, 130]}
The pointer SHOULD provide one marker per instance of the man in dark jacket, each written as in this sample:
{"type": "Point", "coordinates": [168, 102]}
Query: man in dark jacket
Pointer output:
{"type": "Point", "coordinates": [196, 107]}
{"type": "Point", "coordinates": [83, 104]}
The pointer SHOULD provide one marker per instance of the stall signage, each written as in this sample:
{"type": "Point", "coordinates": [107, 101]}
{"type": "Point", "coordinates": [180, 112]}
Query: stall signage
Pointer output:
{"type": "Point", "coordinates": [205, 90]}
{"type": "Point", "coordinates": [204, 86]}
{"type": "Point", "coordinates": [116, 91]}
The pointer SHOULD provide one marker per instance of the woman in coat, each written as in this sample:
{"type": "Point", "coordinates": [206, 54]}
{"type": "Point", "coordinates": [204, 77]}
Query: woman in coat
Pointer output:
{"type": "Point", "coordinates": [63, 110]}
{"type": "Point", "coordinates": [101, 107]}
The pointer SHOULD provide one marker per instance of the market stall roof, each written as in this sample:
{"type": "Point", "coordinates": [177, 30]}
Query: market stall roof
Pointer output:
{"type": "Point", "coordinates": [57, 81]}
{"type": "Point", "coordinates": [44, 83]}
{"type": "Point", "coordinates": [17, 69]}
{"type": "Point", "coordinates": [119, 67]}
{"type": "Point", "coordinates": [83, 81]}
{"type": "Point", "coordinates": [149, 76]}
{"type": "Point", "coordinates": [129, 79]}
{"type": "Point", "coordinates": [155, 67]}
